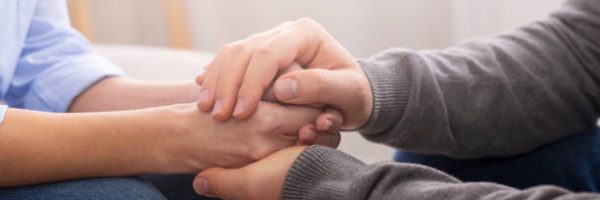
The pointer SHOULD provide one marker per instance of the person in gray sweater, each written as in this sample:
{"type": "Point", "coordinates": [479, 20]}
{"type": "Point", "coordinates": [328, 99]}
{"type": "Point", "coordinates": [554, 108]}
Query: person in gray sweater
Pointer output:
{"type": "Point", "coordinates": [501, 96]}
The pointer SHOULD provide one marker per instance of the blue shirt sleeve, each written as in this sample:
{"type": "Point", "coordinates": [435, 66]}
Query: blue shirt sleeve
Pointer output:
{"type": "Point", "coordinates": [2, 113]}
{"type": "Point", "coordinates": [56, 63]}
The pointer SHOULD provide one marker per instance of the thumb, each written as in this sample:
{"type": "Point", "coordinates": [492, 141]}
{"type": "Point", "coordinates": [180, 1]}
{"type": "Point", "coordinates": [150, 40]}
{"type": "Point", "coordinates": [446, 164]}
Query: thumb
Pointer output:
{"type": "Point", "coordinates": [345, 90]}
{"type": "Point", "coordinates": [220, 182]}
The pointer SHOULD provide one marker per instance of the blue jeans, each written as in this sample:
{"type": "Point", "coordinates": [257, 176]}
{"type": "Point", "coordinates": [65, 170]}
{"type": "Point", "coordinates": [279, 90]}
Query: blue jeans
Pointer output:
{"type": "Point", "coordinates": [572, 163]}
{"type": "Point", "coordinates": [147, 187]}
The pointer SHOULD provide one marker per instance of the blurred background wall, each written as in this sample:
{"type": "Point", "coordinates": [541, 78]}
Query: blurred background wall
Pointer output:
{"type": "Point", "coordinates": [364, 27]}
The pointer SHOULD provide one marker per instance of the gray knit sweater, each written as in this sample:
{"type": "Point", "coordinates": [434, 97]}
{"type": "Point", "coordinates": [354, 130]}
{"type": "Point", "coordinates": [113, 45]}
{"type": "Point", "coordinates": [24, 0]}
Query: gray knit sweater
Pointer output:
{"type": "Point", "coordinates": [501, 96]}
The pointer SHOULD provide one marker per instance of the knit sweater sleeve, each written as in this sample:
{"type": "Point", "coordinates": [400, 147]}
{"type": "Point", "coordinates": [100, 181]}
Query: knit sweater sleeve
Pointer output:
{"type": "Point", "coordinates": [324, 173]}
{"type": "Point", "coordinates": [494, 97]}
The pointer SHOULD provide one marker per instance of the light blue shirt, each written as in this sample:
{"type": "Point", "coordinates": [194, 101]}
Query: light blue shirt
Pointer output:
{"type": "Point", "coordinates": [44, 62]}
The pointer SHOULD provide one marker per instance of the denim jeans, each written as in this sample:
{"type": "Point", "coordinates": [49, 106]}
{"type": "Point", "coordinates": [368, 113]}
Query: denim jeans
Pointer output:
{"type": "Point", "coordinates": [572, 163]}
{"type": "Point", "coordinates": [147, 187]}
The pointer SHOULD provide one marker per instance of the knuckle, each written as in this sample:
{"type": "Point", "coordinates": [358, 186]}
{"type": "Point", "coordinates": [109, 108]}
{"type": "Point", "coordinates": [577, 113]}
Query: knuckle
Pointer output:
{"type": "Point", "coordinates": [321, 82]}
{"type": "Point", "coordinates": [308, 25]}
{"type": "Point", "coordinates": [264, 50]}
{"type": "Point", "coordinates": [235, 48]}
{"type": "Point", "coordinates": [225, 48]}
{"type": "Point", "coordinates": [265, 138]}
{"type": "Point", "coordinates": [263, 150]}
{"type": "Point", "coordinates": [286, 23]}
{"type": "Point", "coordinates": [238, 48]}
{"type": "Point", "coordinates": [305, 21]}
{"type": "Point", "coordinates": [268, 123]}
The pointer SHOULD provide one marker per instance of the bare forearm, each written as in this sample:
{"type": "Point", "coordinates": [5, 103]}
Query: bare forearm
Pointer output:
{"type": "Point", "coordinates": [39, 147]}
{"type": "Point", "coordinates": [121, 93]}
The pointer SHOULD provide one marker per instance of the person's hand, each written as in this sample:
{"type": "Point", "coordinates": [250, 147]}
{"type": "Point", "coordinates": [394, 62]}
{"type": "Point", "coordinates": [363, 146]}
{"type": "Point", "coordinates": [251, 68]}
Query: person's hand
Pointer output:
{"type": "Point", "coordinates": [260, 180]}
{"type": "Point", "coordinates": [202, 142]}
{"type": "Point", "coordinates": [237, 78]}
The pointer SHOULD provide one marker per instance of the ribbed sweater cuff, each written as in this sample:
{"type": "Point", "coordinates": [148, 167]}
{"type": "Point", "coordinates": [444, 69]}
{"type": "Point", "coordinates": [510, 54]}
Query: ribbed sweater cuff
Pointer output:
{"type": "Point", "coordinates": [308, 177]}
{"type": "Point", "coordinates": [390, 86]}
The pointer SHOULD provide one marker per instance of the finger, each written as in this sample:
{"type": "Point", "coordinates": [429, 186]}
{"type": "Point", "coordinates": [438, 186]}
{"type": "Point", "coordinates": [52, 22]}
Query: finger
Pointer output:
{"type": "Point", "coordinates": [329, 138]}
{"type": "Point", "coordinates": [268, 95]}
{"type": "Point", "coordinates": [209, 82]}
{"type": "Point", "coordinates": [292, 117]}
{"type": "Point", "coordinates": [233, 70]}
{"type": "Point", "coordinates": [307, 135]}
{"type": "Point", "coordinates": [276, 54]}
{"type": "Point", "coordinates": [330, 120]}
{"type": "Point", "coordinates": [285, 122]}
{"type": "Point", "coordinates": [211, 78]}
{"type": "Point", "coordinates": [341, 89]}
{"type": "Point", "coordinates": [230, 77]}
{"type": "Point", "coordinates": [200, 77]}
{"type": "Point", "coordinates": [219, 182]}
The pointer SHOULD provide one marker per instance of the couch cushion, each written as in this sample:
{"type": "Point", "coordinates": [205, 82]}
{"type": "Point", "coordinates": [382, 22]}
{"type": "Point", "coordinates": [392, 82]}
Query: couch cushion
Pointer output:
{"type": "Point", "coordinates": [153, 63]}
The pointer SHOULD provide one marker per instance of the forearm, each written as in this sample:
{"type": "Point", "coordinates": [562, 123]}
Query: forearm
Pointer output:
{"type": "Point", "coordinates": [38, 147]}
{"type": "Point", "coordinates": [324, 173]}
{"type": "Point", "coordinates": [121, 93]}
{"type": "Point", "coordinates": [497, 97]}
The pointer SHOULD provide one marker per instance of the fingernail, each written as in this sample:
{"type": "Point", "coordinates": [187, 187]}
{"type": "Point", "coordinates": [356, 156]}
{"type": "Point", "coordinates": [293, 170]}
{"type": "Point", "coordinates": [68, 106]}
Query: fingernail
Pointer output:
{"type": "Point", "coordinates": [239, 107]}
{"type": "Point", "coordinates": [201, 186]}
{"type": "Point", "coordinates": [204, 96]}
{"type": "Point", "coordinates": [286, 89]}
{"type": "Point", "coordinates": [218, 107]}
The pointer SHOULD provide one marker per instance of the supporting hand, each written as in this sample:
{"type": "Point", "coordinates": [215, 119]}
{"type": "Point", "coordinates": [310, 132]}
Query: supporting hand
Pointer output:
{"type": "Point", "coordinates": [260, 180]}
{"type": "Point", "coordinates": [238, 77]}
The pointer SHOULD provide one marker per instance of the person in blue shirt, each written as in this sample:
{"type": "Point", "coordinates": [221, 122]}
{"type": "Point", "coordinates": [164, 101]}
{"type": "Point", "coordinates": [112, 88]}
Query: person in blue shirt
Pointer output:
{"type": "Point", "coordinates": [53, 87]}
{"type": "Point", "coordinates": [75, 127]}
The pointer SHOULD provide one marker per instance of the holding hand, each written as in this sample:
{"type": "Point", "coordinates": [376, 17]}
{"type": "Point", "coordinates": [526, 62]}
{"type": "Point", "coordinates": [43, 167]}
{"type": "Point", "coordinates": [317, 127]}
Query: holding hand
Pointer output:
{"type": "Point", "coordinates": [198, 142]}
{"type": "Point", "coordinates": [238, 77]}
{"type": "Point", "coordinates": [260, 180]}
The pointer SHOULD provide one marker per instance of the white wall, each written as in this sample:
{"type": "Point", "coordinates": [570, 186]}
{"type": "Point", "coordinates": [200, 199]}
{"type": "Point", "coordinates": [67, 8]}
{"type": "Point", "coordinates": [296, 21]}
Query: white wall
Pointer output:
{"type": "Point", "coordinates": [482, 18]}
{"type": "Point", "coordinates": [364, 27]}
{"type": "Point", "coordinates": [128, 22]}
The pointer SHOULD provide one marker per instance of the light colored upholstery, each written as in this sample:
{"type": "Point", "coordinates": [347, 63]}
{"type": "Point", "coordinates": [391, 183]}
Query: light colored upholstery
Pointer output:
{"type": "Point", "coordinates": [151, 63]}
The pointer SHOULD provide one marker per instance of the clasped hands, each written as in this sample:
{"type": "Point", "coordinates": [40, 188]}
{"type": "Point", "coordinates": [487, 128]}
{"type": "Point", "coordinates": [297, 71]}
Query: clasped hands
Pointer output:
{"type": "Point", "coordinates": [317, 88]}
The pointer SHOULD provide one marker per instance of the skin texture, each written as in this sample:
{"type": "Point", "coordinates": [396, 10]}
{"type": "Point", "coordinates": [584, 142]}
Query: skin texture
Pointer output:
{"type": "Point", "coordinates": [170, 139]}
{"type": "Point", "coordinates": [330, 74]}
{"type": "Point", "coordinates": [121, 93]}
{"type": "Point", "coordinates": [242, 72]}
{"type": "Point", "coordinates": [38, 147]}
{"type": "Point", "coordinates": [262, 180]}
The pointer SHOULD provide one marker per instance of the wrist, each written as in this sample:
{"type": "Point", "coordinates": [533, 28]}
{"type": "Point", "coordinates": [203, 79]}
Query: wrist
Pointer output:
{"type": "Point", "coordinates": [178, 149]}
{"type": "Point", "coordinates": [389, 93]}
{"type": "Point", "coordinates": [367, 98]}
